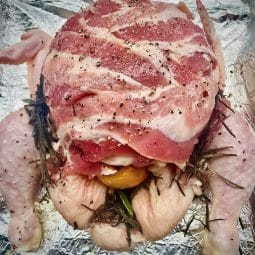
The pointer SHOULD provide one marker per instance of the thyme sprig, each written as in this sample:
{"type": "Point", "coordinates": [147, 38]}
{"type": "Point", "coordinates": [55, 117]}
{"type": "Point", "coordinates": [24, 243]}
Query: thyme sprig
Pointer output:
{"type": "Point", "coordinates": [44, 131]}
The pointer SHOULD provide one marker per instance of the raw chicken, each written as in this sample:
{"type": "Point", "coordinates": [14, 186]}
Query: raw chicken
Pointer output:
{"type": "Point", "coordinates": [33, 49]}
{"type": "Point", "coordinates": [84, 196]}
{"type": "Point", "coordinates": [227, 201]}
{"type": "Point", "coordinates": [121, 78]}
{"type": "Point", "coordinates": [19, 179]}
{"type": "Point", "coordinates": [159, 213]}
{"type": "Point", "coordinates": [118, 241]}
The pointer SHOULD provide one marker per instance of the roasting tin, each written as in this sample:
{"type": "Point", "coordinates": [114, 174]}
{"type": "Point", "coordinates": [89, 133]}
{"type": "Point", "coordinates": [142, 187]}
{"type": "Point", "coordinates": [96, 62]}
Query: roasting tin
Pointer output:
{"type": "Point", "coordinates": [235, 24]}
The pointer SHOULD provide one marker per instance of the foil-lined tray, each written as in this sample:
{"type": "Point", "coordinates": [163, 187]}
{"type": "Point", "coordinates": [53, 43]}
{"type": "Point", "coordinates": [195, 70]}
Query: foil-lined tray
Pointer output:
{"type": "Point", "coordinates": [235, 24]}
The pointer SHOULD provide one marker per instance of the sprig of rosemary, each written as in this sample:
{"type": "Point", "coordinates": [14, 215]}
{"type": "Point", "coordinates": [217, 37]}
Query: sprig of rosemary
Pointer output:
{"type": "Point", "coordinates": [44, 131]}
{"type": "Point", "coordinates": [116, 210]}
{"type": "Point", "coordinates": [198, 163]}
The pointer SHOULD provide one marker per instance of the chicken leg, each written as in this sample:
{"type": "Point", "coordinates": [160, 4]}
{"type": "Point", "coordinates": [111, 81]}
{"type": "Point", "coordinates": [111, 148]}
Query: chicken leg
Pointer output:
{"type": "Point", "coordinates": [19, 172]}
{"type": "Point", "coordinates": [19, 178]}
{"type": "Point", "coordinates": [227, 201]}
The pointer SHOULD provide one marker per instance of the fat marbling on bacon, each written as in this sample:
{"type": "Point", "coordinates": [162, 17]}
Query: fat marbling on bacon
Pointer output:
{"type": "Point", "coordinates": [130, 78]}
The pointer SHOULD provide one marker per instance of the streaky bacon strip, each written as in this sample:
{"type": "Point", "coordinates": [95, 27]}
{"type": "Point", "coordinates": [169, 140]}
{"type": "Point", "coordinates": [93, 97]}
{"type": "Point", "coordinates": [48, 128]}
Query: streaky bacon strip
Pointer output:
{"type": "Point", "coordinates": [103, 7]}
{"type": "Point", "coordinates": [174, 29]}
{"type": "Point", "coordinates": [115, 104]}
{"type": "Point", "coordinates": [83, 78]}
{"type": "Point", "coordinates": [134, 12]}
{"type": "Point", "coordinates": [113, 56]}
{"type": "Point", "coordinates": [85, 155]}
{"type": "Point", "coordinates": [154, 143]}
{"type": "Point", "coordinates": [95, 152]}
{"type": "Point", "coordinates": [65, 95]}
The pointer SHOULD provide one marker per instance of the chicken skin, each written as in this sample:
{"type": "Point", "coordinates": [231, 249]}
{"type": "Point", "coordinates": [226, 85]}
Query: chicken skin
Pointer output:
{"type": "Point", "coordinates": [20, 180]}
{"type": "Point", "coordinates": [227, 201]}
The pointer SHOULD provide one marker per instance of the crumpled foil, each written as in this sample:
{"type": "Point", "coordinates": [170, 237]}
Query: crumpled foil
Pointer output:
{"type": "Point", "coordinates": [235, 24]}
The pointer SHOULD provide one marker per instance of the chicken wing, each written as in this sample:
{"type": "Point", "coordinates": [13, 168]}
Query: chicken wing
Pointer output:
{"type": "Point", "coordinates": [32, 49]}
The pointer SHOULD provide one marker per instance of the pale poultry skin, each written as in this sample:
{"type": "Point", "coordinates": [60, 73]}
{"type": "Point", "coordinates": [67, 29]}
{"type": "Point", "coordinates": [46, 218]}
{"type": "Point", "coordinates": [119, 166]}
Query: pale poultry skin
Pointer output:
{"type": "Point", "coordinates": [227, 201]}
{"type": "Point", "coordinates": [79, 193]}
{"type": "Point", "coordinates": [20, 180]}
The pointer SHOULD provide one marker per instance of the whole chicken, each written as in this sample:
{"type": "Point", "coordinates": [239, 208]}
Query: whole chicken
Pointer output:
{"type": "Point", "coordinates": [121, 96]}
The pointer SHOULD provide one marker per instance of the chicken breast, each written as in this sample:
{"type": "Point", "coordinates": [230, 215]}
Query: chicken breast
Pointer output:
{"type": "Point", "coordinates": [130, 73]}
{"type": "Point", "coordinates": [19, 180]}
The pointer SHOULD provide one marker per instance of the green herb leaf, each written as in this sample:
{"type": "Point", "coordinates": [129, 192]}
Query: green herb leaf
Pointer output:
{"type": "Point", "coordinates": [126, 203]}
{"type": "Point", "coordinates": [44, 131]}
{"type": "Point", "coordinates": [28, 101]}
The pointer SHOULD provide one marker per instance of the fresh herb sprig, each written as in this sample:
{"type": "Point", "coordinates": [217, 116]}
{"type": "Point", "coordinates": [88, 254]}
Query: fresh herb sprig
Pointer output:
{"type": "Point", "coordinates": [198, 163]}
{"type": "Point", "coordinates": [44, 131]}
{"type": "Point", "coordinates": [116, 210]}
